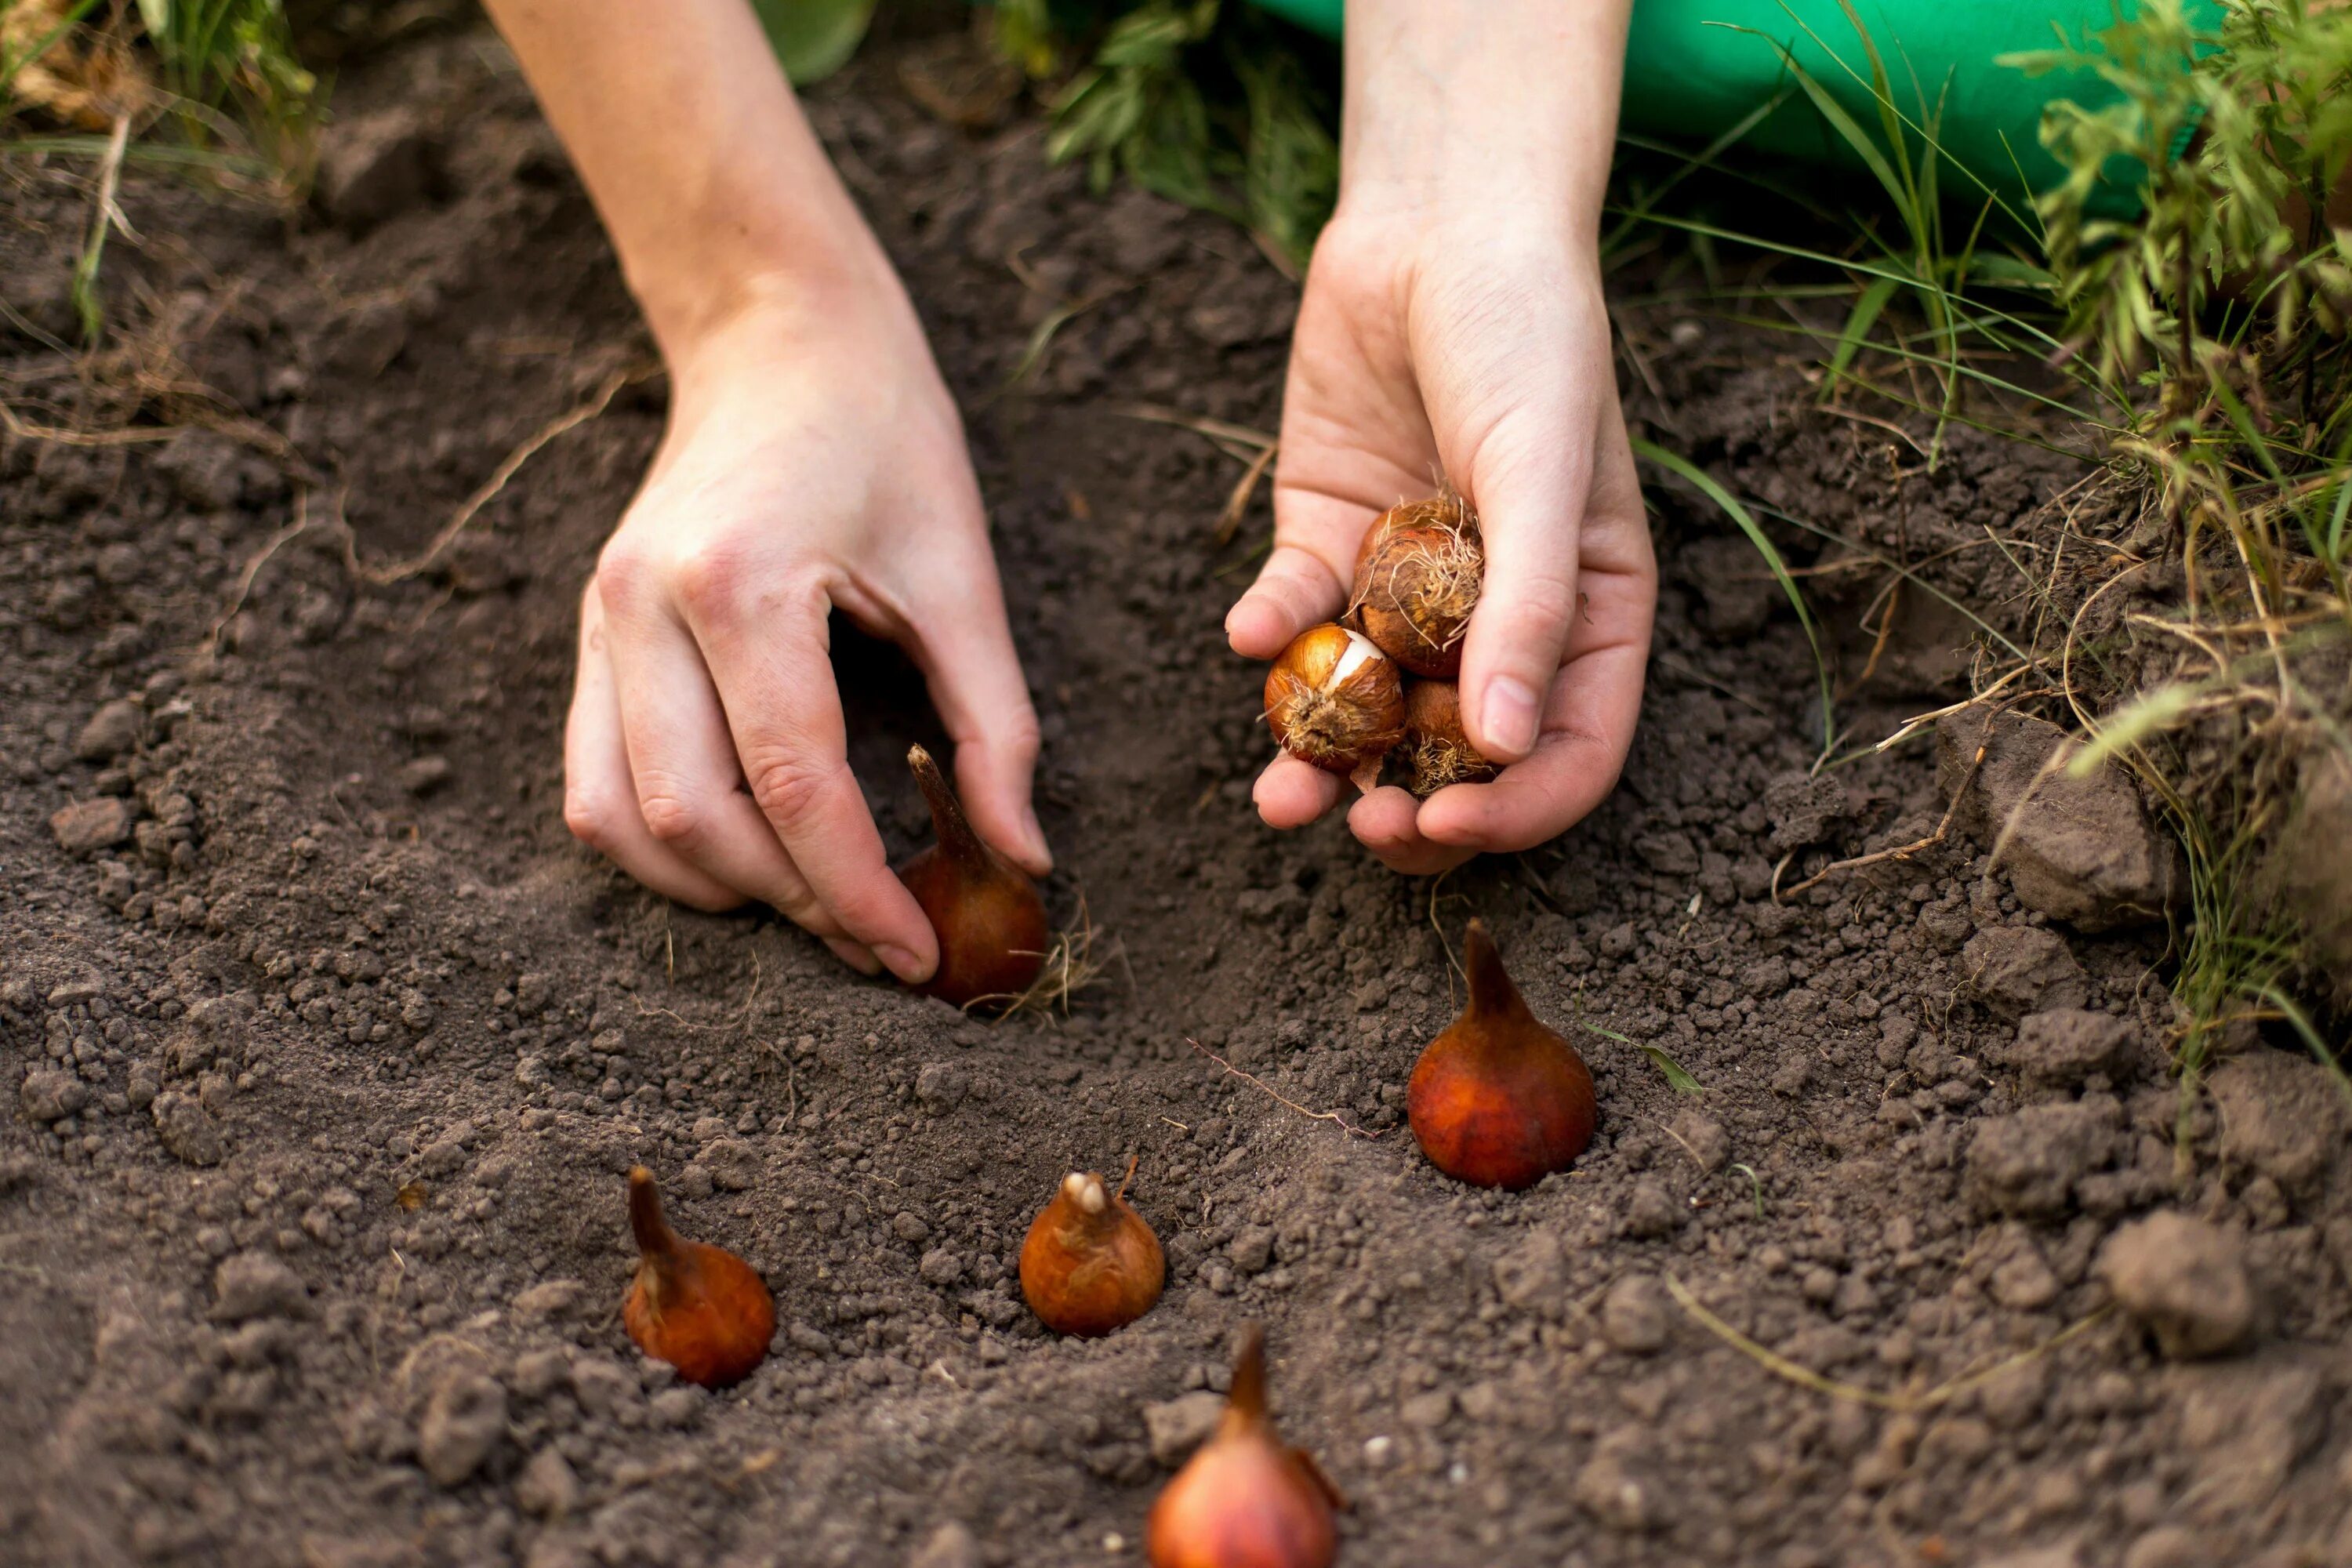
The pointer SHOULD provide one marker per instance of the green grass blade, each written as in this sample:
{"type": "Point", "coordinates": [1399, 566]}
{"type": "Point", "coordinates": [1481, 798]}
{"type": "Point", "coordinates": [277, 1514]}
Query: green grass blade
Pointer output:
{"type": "Point", "coordinates": [1858, 323]}
{"type": "Point", "coordinates": [1729, 505]}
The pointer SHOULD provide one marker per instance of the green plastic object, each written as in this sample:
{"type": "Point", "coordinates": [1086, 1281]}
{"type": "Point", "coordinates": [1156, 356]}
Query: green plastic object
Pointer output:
{"type": "Point", "coordinates": [1695, 68]}
{"type": "Point", "coordinates": [814, 38]}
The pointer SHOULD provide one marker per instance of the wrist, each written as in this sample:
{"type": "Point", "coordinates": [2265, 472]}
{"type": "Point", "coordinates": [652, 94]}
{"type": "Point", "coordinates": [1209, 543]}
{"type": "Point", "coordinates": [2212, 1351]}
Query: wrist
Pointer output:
{"type": "Point", "coordinates": [1506, 110]}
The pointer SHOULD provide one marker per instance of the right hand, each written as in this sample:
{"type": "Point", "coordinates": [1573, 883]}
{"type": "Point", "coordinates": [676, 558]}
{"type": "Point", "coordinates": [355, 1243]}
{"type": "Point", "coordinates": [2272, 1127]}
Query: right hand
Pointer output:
{"type": "Point", "coordinates": [812, 461]}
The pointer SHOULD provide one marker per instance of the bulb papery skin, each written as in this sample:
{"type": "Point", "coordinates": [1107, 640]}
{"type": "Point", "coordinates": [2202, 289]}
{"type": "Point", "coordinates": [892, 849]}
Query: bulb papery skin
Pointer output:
{"type": "Point", "coordinates": [1438, 748]}
{"type": "Point", "coordinates": [1243, 1499]}
{"type": "Point", "coordinates": [987, 914]}
{"type": "Point", "coordinates": [700, 1308]}
{"type": "Point", "coordinates": [1091, 1264]}
{"type": "Point", "coordinates": [1418, 574]}
{"type": "Point", "coordinates": [1498, 1099]}
{"type": "Point", "coordinates": [1334, 700]}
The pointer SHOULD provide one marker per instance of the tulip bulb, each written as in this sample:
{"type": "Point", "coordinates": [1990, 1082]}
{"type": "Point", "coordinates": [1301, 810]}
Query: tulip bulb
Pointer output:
{"type": "Point", "coordinates": [1335, 699]}
{"type": "Point", "coordinates": [1418, 573]}
{"type": "Point", "coordinates": [1438, 748]}
{"type": "Point", "coordinates": [1090, 1263]}
{"type": "Point", "coordinates": [701, 1309]}
{"type": "Point", "coordinates": [1498, 1099]}
{"type": "Point", "coordinates": [1243, 1499]}
{"type": "Point", "coordinates": [988, 917]}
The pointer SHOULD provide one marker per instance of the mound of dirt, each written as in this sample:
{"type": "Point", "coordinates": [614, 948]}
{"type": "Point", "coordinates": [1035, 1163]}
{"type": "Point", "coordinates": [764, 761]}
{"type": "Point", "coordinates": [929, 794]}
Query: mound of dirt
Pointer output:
{"type": "Point", "coordinates": [325, 1051]}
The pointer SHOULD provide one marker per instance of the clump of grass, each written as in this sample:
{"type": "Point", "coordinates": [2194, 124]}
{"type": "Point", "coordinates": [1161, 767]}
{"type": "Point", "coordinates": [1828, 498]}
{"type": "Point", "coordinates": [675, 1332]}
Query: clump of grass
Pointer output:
{"type": "Point", "coordinates": [1205, 103]}
{"type": "Point", "coordinates": [2226, 301]}
{"type": "Point", "coordinates": [210, 89]}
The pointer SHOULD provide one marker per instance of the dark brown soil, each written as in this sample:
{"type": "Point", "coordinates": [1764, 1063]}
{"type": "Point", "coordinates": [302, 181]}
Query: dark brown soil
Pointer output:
{"type": "Point", "coordinates": [333, 1049]}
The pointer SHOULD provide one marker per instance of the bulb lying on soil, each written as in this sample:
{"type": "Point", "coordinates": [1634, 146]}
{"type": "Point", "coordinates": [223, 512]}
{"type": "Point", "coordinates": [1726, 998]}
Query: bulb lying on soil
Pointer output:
{"type": "Point", "coordinates": [701, 1309]}
{"type": "Point", "coordinates": [1498, 1099]}
{"type": "Point", "coordinates": [1334, 700]}
{"type": "Point", "coordinates": [1436, 747]}
{"type": "Point", "coordinates": [1417, 577]}
{"type": "Point", "coordinates": [988, 917]}
{"type": "Point", "coordinates": [1090, 1263]}
{"type": "Point", "coordinates": [1243, 1499]}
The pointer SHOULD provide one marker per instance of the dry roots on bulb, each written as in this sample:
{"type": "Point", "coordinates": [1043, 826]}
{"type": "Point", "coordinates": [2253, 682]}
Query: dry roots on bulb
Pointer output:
{"type": "Point", "coordinates": [1498, 1099]}
{"type": "Point", "coordinates": [1090, 1263]}
{"type": "Point", "coordinates": [988, 917]}
{"type": "Point", "coordinates": [1335, 700]}
{"type": "Point", "coordinates": [1436, 746]}
{"type": "Point", "coordinates": [1244, 1501]}
{"type": "Point", "coordinates": [701, 1309]}
{"type": "Point", "coordinates": [1417, 577]}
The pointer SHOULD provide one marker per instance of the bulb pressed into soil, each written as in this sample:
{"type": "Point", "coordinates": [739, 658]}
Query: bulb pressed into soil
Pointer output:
{"type": "Point", "coordinates": [1498, 1099]}
{"type": "Point", "coordinates": [1334, 700]}
{"type": "Point", "coordinates": [700, 1308]}
{"type": "Point", "coordinates": [1437, 749]}
{"type": "Point", "coordinates": [1243, 1499]}
{"type": "Point", "coordinates": [1090, 1263]}
{"type": "Point", "coordinates": [987, 913]}
{"type": "Point", "coordinates": [1418, 573]}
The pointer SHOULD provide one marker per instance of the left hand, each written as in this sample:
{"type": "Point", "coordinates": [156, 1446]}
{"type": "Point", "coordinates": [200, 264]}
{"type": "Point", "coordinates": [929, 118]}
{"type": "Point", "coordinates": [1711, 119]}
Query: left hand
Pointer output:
{"type": "Point", "coordinates": [1476, 348]}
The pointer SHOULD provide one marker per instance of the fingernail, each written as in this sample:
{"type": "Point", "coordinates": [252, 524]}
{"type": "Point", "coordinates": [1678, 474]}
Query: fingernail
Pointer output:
{"type": "Point", "coordinates": [1510, 715]}
{"type": "Point", "coordinates": [902, 963]}
{"type": "Point", "coordinates": [1036, 834]}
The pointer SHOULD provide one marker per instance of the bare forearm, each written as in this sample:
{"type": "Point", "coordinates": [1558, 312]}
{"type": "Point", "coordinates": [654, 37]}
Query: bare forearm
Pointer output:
{"type": "Point", "coordinates": [716, 192]}
{"type": "Point", "coordinates": [1498, 100]}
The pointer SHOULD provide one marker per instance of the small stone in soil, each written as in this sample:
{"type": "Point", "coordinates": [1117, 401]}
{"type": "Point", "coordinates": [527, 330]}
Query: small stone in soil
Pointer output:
{"type": "Point", "coordinates": [111, 731]}
{"type": "Point", "coordinates": [2062, 1048]}
{"type": "Point", "coordinates": [50, 1095]}
{"type": "Point", "coordinates": [1177, 1427]}
{"type": "Point", "coordinates": [464, 1421]}
{"type": "Point", "coordinates": [1633, 1315]}
{"type": "Point", "coordinates": [422, 775]}
{"type": "Point", "coordinates": [254, 1285]}
{"type": "Point", "coordinates": [87, 826]}
{"type": "Point", "coordinates": [2184, 1281]}
{"type": "Point", "coordinates": [547, 1488]}
{"type": "Point", "coordinates": [949, 1546]}
{"type": "Point", "coordinates": [188, 1129]}
{"type": "Point", "coordinates": [2017, 970]}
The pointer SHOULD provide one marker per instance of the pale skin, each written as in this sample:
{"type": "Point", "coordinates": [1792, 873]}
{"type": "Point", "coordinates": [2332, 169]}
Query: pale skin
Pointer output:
{"type": "Point", "coordinates": [1452, 323]}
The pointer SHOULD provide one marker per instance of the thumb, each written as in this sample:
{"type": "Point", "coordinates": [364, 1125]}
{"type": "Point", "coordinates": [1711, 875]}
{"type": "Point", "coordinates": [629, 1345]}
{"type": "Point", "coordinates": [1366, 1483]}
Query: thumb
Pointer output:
{"type": "Point", "coordinates": [1528, 482]}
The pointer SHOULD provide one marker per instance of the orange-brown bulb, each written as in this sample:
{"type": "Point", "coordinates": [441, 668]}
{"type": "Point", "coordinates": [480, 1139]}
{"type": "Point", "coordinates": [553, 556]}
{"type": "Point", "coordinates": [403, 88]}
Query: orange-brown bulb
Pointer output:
{"type": "Point", "coordinates": [1243, 1499]}
{"type": "Point", "coordinates": [1498, 1099]}
{"type": "Point", "coordinates": [1438, 748]}
{"type": "Point", "coordinates": [987, 913]}
{"type": "Point", "coordinates": [700, 1308]}
{"type": "Point", "coordinates": [1090, 1263]}
{"type": "Point", "coordinates": [1336, 701]}
{"type": "Point", "coordinates": [1417, 578]}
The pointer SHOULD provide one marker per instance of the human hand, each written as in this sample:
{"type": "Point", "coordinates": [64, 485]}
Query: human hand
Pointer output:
{"type": "Point", "coordinates": [1452, 324]}
{"type": "Point", "coordinates": [812, 461]}
{"type": "Point", "coordinates": [1487, 361]}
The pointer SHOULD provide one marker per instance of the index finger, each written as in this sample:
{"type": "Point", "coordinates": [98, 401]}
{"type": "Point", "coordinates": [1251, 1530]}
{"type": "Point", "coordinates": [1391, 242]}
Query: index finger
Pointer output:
{"type": "Point", "coordinates": [770, 659]}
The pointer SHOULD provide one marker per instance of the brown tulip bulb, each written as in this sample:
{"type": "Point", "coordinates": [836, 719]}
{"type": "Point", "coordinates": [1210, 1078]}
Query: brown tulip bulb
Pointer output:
{"type": "Point", "coordinates": [987, 913]}
{"type": "Point", "coordinates": [1090, 1263]}
{"type": "Point", "coordinates": [1243, 1499]}
{"type": "Point", "coordinates": [1417, 577]}
{"type": "Point", "coordinates": [1498, 1099]}
{"type": "Point", "coordinates": [1438, 748]}
{"type": "Point", "coordinates": [1334, 700]}
{"type": "Point", "coordinates": [701, 1309]}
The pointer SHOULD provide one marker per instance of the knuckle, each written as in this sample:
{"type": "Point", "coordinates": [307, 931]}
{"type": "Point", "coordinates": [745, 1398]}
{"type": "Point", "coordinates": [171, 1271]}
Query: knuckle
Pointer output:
{"type": "Point", "coordinates": [672, 816]}
{"type": "Point", "coordinates": [787, 786]}
{"type": "Point", "coordinates": [625, 576]}
{"type": "Point", "coordinates": [590, 817]}
{"type": "Point", "coordinates": [708, 580]}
